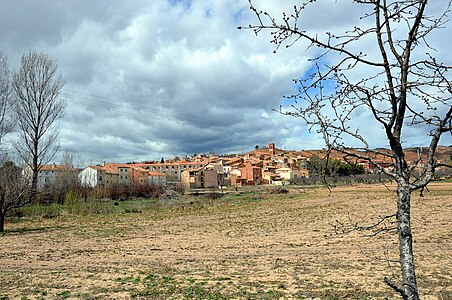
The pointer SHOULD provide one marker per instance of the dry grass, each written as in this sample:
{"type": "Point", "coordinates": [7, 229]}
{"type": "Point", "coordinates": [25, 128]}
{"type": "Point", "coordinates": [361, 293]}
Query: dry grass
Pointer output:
{"type": "Point", "coordinates": [251, 246]}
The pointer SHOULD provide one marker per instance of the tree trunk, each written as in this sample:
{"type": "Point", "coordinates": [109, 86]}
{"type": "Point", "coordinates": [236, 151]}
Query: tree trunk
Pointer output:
{"type": "Point", "coordinates": [35, 170]}
{"type": "Point", "coordinates": [409, 288]}
{"type": "Point", "coordinates": [34, 185]}
{"type": "Point", "coordinates": [2, 221]}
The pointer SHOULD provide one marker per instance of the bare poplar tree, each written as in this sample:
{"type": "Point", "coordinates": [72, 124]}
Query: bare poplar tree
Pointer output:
{"type": "Point", "coordinates": [13, 187]}
{"type": "Point", "coordinates": [6, 123]}
{"type": "Point", "coordinates": [37, 85]}
{"type": "Point", "coordinates": [399, 82]}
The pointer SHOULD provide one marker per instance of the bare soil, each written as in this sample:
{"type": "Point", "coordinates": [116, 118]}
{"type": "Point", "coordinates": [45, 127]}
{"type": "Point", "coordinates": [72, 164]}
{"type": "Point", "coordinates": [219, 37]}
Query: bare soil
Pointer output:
{"type": "Point", "coordinates": [267, 247]}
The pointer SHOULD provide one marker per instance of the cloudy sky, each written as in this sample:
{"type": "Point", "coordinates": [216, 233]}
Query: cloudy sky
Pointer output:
{"type": "Point", "coordinates": [150, 79]}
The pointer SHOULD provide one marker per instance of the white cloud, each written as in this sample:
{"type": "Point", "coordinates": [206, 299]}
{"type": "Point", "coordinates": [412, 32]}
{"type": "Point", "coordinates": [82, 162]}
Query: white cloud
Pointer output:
{"type": "Point", "coordinates": [151, 79]}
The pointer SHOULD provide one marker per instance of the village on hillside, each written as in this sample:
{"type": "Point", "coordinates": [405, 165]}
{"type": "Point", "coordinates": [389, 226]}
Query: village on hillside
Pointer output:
{"type": "Point", "coordinates": [261, 166]}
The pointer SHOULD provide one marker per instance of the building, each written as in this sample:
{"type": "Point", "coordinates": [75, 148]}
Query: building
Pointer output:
{"type": "Point", "coordinates": [288, 173]}
{"type": "Point", "coordinates": [138, 175]}
{"type": "Point", "coordinates": [272, 149]}
{"type": "Point", "coordinates": [172, 170]}
{"type": "Point", "coordinates": [92, 176]}
{"type": "Point", "coordinates": [111, 178]}
{"type": "Point", "coordinates": [271, 178]}
{"type": "Point", "coordinates": [369, 167]}
{"type": "Point", "coordinates": [199, 178]}
{"type": "Point", "coordinates": [123, 172]}
{"type": "Point", "coordinates": [53, 176]}
{"type": "Point", "coordinates": [251, 175]}
{"type": "Point", "coordinates": [156, 178]}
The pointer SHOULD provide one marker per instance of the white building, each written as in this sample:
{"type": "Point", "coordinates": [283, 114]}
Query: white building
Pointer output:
{"type": "Point", "coordinates": [92, 176]}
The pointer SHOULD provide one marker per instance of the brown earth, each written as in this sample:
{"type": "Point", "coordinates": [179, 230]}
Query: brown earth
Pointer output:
{"type": "Point", "coordinates": [267, 247]}
{"type": "Point", "coordinates": [442, 154]}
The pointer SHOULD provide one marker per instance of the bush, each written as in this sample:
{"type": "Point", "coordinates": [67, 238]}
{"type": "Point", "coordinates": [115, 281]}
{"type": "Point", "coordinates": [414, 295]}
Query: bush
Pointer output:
{"type": "Point", "coordinates": [51, 214]}
{"type": "Point", "coordinates": [213, 195]}
{"type": "Point", "coordinates": [52, 195]}
{"type": "Point", "coordinates": [170, 195]}
{"type": "Point", "coordinates": [278, 190]}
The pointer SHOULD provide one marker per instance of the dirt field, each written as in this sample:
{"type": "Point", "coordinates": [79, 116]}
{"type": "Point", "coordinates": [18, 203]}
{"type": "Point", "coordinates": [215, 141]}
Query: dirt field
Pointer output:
{"type": "Point", "coordinates": [264, 247]}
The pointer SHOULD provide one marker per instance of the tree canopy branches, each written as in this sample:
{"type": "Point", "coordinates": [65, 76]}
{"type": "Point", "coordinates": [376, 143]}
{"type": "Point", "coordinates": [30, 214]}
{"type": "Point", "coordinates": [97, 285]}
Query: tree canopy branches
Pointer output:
{"type": "Point", "coordinates": [37, 85]}
{"type": "Point", "coordinates": [399, 82]}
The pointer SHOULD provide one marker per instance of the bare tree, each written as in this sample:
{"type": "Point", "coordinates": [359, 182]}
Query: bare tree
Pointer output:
{"type": "Point", "coordinates": [14, 189]}
{"type": "Point", "coordinates": [405, 86]}
{"type": "Point", "coordinates": [37, 87]}
{"type": "Point", "coordinates": [66, 179]}
{"type": "Point", "coordinates": [6, 123]}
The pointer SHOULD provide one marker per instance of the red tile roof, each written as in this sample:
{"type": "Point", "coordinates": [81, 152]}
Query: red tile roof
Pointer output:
{"type": "Point", "coordinates": [54, 167]}
{"type": "Point", "coordinates": [156, 174]}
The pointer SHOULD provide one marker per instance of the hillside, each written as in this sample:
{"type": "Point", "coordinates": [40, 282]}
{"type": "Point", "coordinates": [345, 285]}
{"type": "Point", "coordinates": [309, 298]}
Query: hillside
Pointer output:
{"type": "Point", "coordinates": [443, 153]}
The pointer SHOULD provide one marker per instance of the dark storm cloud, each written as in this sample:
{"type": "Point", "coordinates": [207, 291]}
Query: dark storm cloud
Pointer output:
{"type": "Point", "coordinates": [146, 79]}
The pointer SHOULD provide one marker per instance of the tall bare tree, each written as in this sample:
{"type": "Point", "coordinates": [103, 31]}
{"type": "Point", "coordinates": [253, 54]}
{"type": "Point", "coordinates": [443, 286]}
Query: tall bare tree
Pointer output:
{"type": "Point", "coordinates": [13, 188]}
{"type": "Point", "coordinates": [37, 85]}
{"type": "Point", "coordinates": [6, 123]}
{"type": "Point", "coordinates": [399, 82]}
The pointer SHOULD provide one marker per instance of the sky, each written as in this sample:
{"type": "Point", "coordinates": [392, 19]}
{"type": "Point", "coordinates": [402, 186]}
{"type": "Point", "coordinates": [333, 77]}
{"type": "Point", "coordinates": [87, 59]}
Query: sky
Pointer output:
{"type": "Point", "coordinates": [151, 79]}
